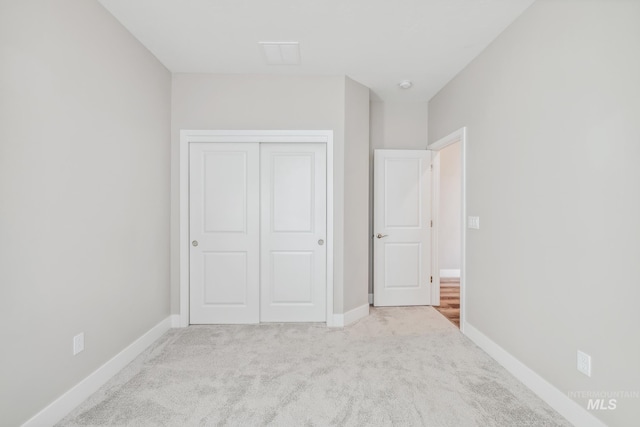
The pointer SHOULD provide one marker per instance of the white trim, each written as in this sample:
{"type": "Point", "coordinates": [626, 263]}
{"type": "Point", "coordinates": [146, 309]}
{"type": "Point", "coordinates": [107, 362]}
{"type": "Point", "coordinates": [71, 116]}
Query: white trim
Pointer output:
{"type": "Point", "coordinates": [558, 400]}
{"type": "Point", "coordinates": [356, 314]}
{"type": "Point", "coordinates": [459, 136]}
{"type": "Point", "coordinates": [283, 136]}
{"type": "Point", "coordinates": [342, 320]}
{"type": "Point", "coordinates": [450, 273]}
{"type": "Point", "coordinates": [64, 404]}
{"type": "Point", "coordinates": [330, 235]}
{"type": "Point", "coordinates": [175, 321]}
{"type": "Point", "coordinates": [184, 229]}
{"type": "Point", "coordinates": [337, 320]}
{"type": "Point", "coordinates": [370, 299]}
{"type": "Point", "coordinates": [452, 138]}
{"type": "Point", "coordinates": [435, 227]}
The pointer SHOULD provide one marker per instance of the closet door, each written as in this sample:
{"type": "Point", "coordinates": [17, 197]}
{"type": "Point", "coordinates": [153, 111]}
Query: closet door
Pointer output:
{"type": "Point", "coordinates": [293, 232]}
{"type": "Point", "coordinates": [225, 232]}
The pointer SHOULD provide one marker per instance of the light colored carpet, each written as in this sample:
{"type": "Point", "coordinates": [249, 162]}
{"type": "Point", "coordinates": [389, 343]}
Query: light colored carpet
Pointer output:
{"type": "Point", "coordinates": [404, 366]}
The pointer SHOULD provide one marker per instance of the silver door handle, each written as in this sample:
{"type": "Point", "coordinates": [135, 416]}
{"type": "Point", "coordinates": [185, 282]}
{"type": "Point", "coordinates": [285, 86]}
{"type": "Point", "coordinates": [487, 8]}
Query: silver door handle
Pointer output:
{"type": "Point", "coordinates": [194, 243]}
{"type": "Point", "coordinates": [321, 242]}
{"type": "Point", "coordinates": [380, 236]}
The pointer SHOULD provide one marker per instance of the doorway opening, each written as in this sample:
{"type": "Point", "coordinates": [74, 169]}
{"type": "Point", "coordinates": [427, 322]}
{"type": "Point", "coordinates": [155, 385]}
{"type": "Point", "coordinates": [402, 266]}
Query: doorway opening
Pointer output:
{"type": "Point", "coordinates": [449, 231]}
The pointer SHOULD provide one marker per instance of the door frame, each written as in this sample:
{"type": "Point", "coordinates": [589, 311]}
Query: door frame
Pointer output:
{"type": "Point", "coordinates": [460, 136]}
{"type": "Point", "coordinates": [258, 136]}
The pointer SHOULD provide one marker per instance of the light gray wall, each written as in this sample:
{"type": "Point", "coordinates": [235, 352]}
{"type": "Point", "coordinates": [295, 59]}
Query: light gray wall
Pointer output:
{"type": "Point", "coordinates": [552, 111]}
{"type": "Point", "coordinates": [84, 191]}
{"type": "Point", "coordinates": [215, 101]}
{"type": "Point", "coordinates": [356, 195]}
{"type": "Point", "coordinates": [399, 125]}
{"type": "Point", "coordinates": [393, 125]}
{"type": "Point", "coordinates": [449, 209]}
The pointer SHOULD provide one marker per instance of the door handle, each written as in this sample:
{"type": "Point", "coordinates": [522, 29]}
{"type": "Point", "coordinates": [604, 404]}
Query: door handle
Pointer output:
{"type": "Point", "coordinates": [380, 236]}
{"type": "Point", "coordinates": [194, 243]}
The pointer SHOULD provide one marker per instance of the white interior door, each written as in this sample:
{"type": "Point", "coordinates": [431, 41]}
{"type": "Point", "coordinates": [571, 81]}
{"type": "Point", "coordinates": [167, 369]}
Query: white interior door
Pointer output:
{"type": "Point", "coordinates": [402, 233]}
{"type": "Point", "coordinates": [224, 229]}
{"type": "Point", "coordinates": [293, 232]}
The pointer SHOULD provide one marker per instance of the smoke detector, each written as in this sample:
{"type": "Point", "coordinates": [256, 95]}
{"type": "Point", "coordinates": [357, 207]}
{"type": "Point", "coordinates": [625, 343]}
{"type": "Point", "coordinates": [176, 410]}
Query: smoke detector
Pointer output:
{"type": "Point", "coordinates": [405, 84]}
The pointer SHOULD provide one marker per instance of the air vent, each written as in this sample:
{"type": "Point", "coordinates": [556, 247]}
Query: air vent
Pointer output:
{"type": "Point", "coordinates": [281, 53]}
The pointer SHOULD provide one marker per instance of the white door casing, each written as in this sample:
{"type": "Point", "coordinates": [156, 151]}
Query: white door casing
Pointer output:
{"type": "Point", "coordinates": [435, 222]}
{"type": "Point", "coordinates": [402, 229]}
{"type": "Point", "coordinates": [459, 136]}
{"type": "Point", "coordinates": [293, 232]}
{"type": "Point", "coordinates": [224, 230]}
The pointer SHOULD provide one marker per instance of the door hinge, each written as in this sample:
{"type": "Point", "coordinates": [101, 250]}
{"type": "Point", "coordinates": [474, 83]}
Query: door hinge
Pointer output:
{"type": "Point", "coordinates": [431, 279]}
{"type": "Point", "coordinates": [431, 222]}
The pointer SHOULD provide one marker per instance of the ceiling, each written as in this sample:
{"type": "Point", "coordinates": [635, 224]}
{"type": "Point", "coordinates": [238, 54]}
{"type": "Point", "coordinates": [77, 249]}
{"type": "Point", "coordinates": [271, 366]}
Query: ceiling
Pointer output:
{"type": "Point", "coordinates": [376, 42]}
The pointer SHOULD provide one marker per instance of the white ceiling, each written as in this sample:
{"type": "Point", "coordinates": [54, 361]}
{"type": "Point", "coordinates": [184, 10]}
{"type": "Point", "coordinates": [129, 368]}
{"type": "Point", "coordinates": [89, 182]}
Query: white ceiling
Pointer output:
{"type": "Point", "coordinates": [376, 42]}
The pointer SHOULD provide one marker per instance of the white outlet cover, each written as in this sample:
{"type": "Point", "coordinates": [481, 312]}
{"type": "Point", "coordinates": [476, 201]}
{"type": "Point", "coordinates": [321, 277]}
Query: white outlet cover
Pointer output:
{"type": "Point", "coordinates": [584, 363]}
{"type": "Point", "coordinates": [78, 343]}
{"type": "Point", "coordinates": [473, 222]}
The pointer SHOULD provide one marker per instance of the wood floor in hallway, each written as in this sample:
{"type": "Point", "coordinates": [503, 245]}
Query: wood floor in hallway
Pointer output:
{"type": "Point", "coordinates": [450, 301]}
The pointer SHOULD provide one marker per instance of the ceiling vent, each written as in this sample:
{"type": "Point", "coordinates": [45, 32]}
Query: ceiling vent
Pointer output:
{"type": "Point", "coordinates": [281, 53]}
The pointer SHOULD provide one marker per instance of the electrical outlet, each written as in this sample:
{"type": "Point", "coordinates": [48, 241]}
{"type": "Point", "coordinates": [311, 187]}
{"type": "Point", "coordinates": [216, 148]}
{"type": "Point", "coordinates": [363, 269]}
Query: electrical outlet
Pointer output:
{"type": "Point", "coordinates": [584, 363]}
{"type": "Point", "coordinates": [78, 343]}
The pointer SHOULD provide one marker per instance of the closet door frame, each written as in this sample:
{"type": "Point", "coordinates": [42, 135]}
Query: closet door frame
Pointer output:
{"type": "Point", "coordinates": [227, 136]}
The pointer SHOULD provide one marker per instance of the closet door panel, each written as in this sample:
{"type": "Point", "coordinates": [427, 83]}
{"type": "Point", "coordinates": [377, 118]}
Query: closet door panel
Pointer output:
{"type": "Point", "coordinates": [293, 231]}
{"type": "Point", "coordinates": [224, 228]}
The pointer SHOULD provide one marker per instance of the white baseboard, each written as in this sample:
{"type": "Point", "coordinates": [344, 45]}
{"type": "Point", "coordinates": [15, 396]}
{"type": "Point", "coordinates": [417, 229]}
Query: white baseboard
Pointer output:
{"type": "Point", "coordinates": [341, 320]}
{"type": "Point", "coordinates": [175, 321]}
{"type": "Point", "coordinates": [558, 400]}
{"type": "Point", "coordinates": [370, 299]}
{"type": "Point", "coordinates": [338, 321]}
{"type": "Point", "coordinates": [356, 314]}
{"type": "Point", "coordinates": [63, 405]}
{"type": "Point", "coordinates": [446, 274]}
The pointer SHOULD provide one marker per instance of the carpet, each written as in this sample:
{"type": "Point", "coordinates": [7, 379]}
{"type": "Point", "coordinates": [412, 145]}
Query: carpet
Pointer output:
{"type": "Point", "coordinates": [404, 366]}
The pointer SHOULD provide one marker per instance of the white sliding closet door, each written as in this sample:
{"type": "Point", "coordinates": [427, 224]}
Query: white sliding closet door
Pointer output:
{"type": "Point", "coordinates": [225, 232]}
{"type": "Point", "coordinates": [293, 232]}
{"type": "Point", "coordinates": [258, 231]}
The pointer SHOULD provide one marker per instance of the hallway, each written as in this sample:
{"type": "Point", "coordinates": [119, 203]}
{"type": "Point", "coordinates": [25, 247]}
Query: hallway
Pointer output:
{"type": "Point", "coordinates": [450, 300]}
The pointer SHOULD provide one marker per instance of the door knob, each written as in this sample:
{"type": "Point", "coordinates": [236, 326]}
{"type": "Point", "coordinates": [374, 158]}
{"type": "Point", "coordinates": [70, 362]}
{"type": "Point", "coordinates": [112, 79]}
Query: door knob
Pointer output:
{"type": "Point", "coordinates": [194, 243]}
{"type": "Point", "coordinates": [321, 242]}
{"type": "Point", "coordinates": [380, 236]}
